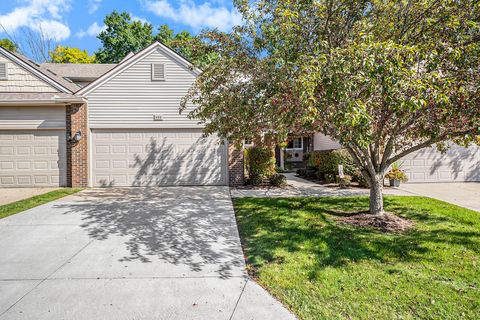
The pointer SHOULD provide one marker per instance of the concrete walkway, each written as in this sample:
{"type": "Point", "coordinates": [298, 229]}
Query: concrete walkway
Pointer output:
{"type": "Point", "coordinates": [8, 195]}
{"type": "Point", "coordinates": [465, 194]}
{"type": "Point", "coordinates": [132, 253]}
{"type": "Point", "coordinates": [301, 187]}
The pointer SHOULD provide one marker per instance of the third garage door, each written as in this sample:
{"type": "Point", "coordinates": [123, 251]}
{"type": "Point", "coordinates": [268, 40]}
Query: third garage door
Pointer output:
{"type": "Point", "coordinates": [157, 158]}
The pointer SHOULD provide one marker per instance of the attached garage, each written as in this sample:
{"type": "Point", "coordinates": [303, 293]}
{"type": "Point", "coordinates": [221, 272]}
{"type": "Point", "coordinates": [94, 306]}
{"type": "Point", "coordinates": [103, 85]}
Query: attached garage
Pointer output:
{"type": "Point", "coordinates": [157, 157]}
{"type": "Point", "coordinates": [458, 164]}
{"type": "Point", "coordinates": [32, 147]}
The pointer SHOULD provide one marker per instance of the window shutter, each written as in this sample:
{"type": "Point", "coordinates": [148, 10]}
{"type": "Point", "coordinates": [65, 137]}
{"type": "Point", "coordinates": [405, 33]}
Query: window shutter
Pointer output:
{"type": "Point", "coordinates": [3, 71]}
{"type": "Point", "coordinates": [158, 71]}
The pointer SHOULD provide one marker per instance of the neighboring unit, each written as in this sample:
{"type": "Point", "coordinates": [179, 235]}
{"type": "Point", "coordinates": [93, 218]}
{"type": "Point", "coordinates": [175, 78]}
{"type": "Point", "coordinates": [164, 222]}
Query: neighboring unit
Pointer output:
{"type": "Point", "coordinates": [457, 164]}
{"type": "Point", "coordinates": [106, 125]}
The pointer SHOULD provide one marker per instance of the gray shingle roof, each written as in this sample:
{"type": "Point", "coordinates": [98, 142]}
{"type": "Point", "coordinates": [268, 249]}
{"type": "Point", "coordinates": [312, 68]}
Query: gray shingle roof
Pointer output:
{"type": "Point", "coordinates": [78, 71]}
{"type": "Point", "coordinates": [58, 79]}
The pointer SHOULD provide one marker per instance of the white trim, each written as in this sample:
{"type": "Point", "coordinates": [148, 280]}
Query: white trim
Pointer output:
{"type": "Point", "coordinates": [5, 65]}
{"type": "Point", "coordinates": [43, 102]}
{"type": "Point", "coordinates": [90, 156]}
{"type": "Point", "coordinates": [154, 66]}
{"type": "Point", "coordinates": [135, 58]}
{"type": "Point", "coordinates": [296, 149]}
{"type": "Point", "coordinates": [127, 126]}
{"type": "Point", "coordinates": [34, 71]}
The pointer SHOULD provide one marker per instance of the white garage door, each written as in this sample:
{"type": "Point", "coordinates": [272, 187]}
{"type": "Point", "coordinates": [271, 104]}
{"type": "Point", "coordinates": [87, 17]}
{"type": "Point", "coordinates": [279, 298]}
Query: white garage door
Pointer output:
{"type": "Point", "coordinates": [457, 164]}
{"type": "Point", "coordinates": [35, 158]}
{"type": "Point", "coordinates": [157, 158]}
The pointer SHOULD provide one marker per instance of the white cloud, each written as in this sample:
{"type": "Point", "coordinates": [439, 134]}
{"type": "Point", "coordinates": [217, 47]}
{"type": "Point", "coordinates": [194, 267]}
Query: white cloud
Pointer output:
{"type": "Point", "coordinates": [142, 20]}
{"type": "Point", "coordinates": [196, 16]}
{"type": "Point", "coordinates": [38, 15]}
{"type": "Point", "coordinates": [93, 5]}
{"type": "Point", "coordinates": [93, 30]}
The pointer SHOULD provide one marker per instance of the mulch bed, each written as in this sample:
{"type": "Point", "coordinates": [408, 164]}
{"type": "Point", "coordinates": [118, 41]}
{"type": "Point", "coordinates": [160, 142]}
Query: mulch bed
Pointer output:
{"type": "Point", "coordinates": [386, 223]}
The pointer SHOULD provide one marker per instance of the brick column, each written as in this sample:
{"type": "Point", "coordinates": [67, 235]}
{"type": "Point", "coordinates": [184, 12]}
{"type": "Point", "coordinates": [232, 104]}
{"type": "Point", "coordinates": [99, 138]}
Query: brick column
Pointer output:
{"type": "Point", "coordinates": [235, 166]}
{"type": "Point", "coordinates": [77, 152]}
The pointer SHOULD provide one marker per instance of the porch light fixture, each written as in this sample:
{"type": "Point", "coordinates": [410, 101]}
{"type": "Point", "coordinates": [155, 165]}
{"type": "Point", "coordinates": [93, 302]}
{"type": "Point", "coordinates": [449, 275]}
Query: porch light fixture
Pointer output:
{"type": "Point", "coordinates": [76, 137]}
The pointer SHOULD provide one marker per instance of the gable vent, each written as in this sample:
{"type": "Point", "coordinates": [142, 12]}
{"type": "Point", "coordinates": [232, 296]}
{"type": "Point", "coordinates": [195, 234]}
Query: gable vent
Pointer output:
{"type": "Point", "coordinates": [158, 71]}
{"type": "Point", "coordinates": [3, 71]}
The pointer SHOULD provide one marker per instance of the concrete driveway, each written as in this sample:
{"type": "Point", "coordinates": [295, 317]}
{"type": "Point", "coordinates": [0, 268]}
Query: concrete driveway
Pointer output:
{"type": "Point", "coordinates": [465, 195]}
{"type": "Point", "coordinates": [132, 253]}
{"type": "Point", "coordinates": [8, 195]}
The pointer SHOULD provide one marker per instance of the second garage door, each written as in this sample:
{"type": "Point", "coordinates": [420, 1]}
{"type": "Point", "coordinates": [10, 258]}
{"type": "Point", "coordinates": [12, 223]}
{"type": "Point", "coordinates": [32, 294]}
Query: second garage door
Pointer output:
{"type": "Point", "coordinates": [457, 164]}
{"type": "Point", "coordinates": [157, 158]}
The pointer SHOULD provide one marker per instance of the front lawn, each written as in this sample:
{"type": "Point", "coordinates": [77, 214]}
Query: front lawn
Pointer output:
{"type": "Point", "coordinates": [323, 269]}
{"type": "Point", "coordinates": [25, 204]}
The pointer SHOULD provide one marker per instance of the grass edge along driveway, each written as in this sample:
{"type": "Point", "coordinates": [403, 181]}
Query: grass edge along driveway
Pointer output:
{"type": "Point", "coordinates": [25, 204]}
{"type": "Point", "coordinates": [322, 269]}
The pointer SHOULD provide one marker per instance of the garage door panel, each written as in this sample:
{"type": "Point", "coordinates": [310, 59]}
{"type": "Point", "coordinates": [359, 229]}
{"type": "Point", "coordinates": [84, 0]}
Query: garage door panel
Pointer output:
{"type": "Point", "coordinates": [34, 158]}
{"type": "Point", "coordinates": [430, 165]}
{"type": "Point", "coordinates": [157, 157]}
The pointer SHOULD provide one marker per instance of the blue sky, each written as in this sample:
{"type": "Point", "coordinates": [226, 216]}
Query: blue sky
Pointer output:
{"type": "Point", "coordinates": [77, 22]}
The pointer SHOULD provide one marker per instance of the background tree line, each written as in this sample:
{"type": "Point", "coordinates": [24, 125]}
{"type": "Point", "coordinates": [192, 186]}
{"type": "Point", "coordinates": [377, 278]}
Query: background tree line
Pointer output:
{"type": "Point", "coordinates": [121, 36]}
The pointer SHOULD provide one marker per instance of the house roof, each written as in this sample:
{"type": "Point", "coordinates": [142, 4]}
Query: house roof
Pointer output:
{"type": "Point", "coordinates": [38, 97]}
{"type": "Point", "coordinates": [131, 59]}
{"type": "Point", "coordinates": [78, 70]}
{"type": "Point", "coordinates": [53, 79]}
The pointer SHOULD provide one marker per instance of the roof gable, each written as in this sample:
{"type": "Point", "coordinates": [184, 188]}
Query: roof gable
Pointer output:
{"type": "Point", "coordinates": [39, 72]}
{"type": "Point", "coordinates": [133, 59]}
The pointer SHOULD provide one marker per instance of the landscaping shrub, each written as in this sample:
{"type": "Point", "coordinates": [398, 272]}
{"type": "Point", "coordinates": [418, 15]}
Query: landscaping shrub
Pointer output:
{"type": "Point", "coordinates": [358, 177]}
{"type": "Point", "coordinates": [329, 178]}
{"type": "Point", "coordinates": [302, 172]}
{"type": "Point", "coordinates": [259, 164]}
{"type": "Point", "coordinates": [328, 161]}
{"type": "Point", "coordinates": [345, 181]}
{"type": "Point", "coordinates": [311, 172]}
{"type": "Point", "coordinates": [278, 180]}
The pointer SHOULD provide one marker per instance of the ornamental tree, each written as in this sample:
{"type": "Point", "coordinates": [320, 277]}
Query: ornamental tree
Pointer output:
{"type": "Point", "coordinates": [64, 54]}
{"type": "Point", "coordinates": [9, 44]}
{"type": "Point", "coordinates": [385, 78]}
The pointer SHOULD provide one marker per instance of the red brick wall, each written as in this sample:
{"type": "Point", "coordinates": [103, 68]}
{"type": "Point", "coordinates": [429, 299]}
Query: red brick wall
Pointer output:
{"type": "Point", "coordinates": [77, 153]}
{"type": "Point", "coordinates": [235, 166]}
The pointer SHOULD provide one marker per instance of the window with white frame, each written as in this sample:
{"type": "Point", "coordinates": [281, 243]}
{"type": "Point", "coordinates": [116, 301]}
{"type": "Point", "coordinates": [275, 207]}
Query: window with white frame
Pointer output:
{"type": "Point", "coordinates": [247, 143]}
{"type": "Point", "coordinates": [295, 144]}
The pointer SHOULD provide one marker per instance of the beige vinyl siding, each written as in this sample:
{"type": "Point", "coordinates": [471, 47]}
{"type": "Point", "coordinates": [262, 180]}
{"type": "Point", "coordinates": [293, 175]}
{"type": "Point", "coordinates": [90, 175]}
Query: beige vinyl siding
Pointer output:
{"type": "Point", "coordinates": [21, 80]}
{"type": "Point", "coordinates": [323, 142]}
{"type": "Point", "coordinates": [130, 99]}
{"type": "Point", "coordinates": [37, 117]}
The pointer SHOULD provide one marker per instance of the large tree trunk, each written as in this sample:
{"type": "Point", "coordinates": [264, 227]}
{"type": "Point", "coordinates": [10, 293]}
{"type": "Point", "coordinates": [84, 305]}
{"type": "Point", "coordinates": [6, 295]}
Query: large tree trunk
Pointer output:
{"type": "Point", "coordinates": [376, 194]}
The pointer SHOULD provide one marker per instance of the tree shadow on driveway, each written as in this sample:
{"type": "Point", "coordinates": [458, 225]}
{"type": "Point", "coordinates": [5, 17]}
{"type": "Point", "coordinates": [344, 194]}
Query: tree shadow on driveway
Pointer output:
{"type": "Point", "coordinates": [191, 226]}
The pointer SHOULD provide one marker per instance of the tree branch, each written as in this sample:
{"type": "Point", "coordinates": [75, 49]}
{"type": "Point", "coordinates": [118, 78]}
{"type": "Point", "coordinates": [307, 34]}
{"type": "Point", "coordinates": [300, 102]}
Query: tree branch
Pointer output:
{"type": "Point", "coordinates": [427, 143]}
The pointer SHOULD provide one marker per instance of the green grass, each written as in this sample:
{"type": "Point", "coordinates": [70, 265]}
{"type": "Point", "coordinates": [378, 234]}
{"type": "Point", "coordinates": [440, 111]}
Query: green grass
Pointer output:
{"type": "Point", "coordinates": [25, 204]}
{"type": "Point", "coordinates": [322, 269]}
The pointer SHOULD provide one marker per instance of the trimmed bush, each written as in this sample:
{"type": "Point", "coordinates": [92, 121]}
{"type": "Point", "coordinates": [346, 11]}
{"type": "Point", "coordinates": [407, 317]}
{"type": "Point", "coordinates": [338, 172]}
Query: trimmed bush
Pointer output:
{"type": "Point", "coordinates": [259, 164]}
{"type": "Point", "coordinates": [358, 177]}
{"type": "Point", "coordinates": [302, 172]}
{"type": "Point", "coordinates": [329, 178]}
{"type": "Point", "coordinates": [345, 181]}
{"type": "Point", "coordinates": [278, 180]}
{"type": "Point", "coordinates": [327, 161]}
